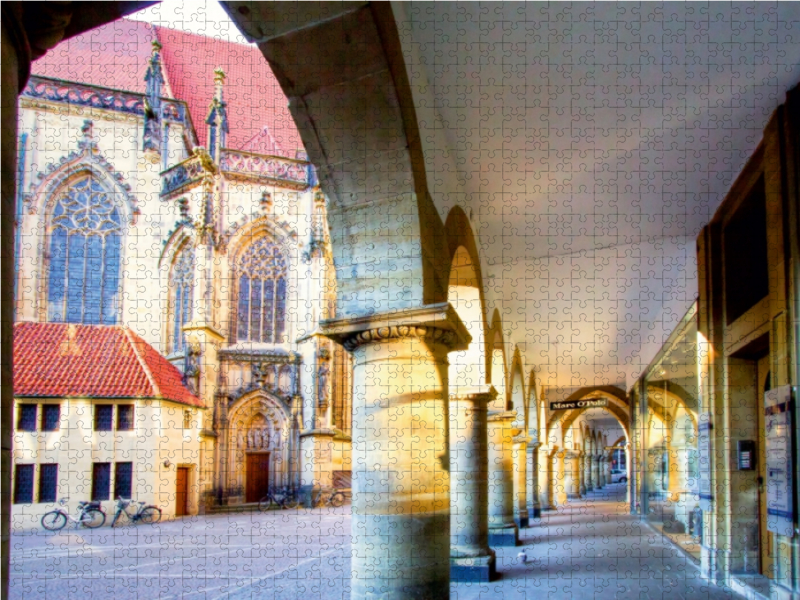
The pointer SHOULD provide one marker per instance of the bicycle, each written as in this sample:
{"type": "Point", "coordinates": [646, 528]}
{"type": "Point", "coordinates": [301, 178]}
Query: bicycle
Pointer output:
{"type": "Point", "coordinates": [90, 515]}
{"type": "Point", "coordinates": [333, 498]}
{"type": "Point", "coordinates": [147, 513]}
{"type": "Point", "coordinates": [284, 498]}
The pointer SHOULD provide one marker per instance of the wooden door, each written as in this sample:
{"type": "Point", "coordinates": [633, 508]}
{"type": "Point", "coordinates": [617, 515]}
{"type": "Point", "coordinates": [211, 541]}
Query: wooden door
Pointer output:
{"type": "Point", "coordinates": [182, 492]}
{"type": "Point", "coordinates": [257, 476]}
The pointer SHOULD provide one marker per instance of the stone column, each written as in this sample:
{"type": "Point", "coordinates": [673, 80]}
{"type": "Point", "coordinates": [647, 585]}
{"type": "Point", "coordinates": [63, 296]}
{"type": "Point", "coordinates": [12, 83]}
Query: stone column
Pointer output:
{"type": "Point", "coordinates": [572, 479]}
{"type": "Point", "coordinates": [471, 558]}
{"type": "Point", "coordinates": [520, 456]}
{"type": "Point", "coordinates": [598, 484]}
{"type": "Point", "coordinates": [607, 469]}
{"type": "Point", "coordinates": [534, 504]}
{"type": "Point", "coordinates": [559, 492]}
{"type": "Point", "coordinates": [587, 471]}
{"type": "Point", "coordinates": [401, 486]}
{"type": "Point", "coordinates": [544, 467]}
{"type": "Point", "coordinates": [502, 528]}
{"type": "Point", "coordinates": [582, 473]}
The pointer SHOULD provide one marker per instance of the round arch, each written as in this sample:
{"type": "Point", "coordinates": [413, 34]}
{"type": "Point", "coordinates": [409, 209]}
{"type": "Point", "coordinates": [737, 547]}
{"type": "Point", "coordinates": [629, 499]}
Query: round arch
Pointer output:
{"type": "Point", "coordinates": [465, 294]}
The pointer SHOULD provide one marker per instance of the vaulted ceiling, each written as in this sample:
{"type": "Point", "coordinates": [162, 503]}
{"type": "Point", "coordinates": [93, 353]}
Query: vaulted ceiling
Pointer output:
{"type": "Point", "coordinates": [590, 143]}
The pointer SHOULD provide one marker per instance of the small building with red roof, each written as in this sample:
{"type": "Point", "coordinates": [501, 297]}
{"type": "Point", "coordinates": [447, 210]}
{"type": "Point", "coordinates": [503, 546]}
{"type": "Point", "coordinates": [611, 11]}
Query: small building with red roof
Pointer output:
{"type": "Point", "coordinates": [100, 414]}
{"type": "Point", "coordinates": [173, 259]}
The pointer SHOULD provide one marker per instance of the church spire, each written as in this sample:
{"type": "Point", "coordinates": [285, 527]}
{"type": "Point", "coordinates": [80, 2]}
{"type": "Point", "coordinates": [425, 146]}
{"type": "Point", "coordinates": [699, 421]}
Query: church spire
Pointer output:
{"type": "Point", "coordinates": [217, 119]}
{"type": "Point", "coordinates": [154, 79]}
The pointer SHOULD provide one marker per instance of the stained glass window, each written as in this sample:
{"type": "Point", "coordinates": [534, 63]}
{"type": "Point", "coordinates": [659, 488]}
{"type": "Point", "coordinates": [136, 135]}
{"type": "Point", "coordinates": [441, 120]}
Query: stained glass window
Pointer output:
{"type": "Point", "coordinates": [261, 306]}
{"type": "Point", "coordinates": [182, 286]}
{"type": "Point", "coordinates": [85, 243]}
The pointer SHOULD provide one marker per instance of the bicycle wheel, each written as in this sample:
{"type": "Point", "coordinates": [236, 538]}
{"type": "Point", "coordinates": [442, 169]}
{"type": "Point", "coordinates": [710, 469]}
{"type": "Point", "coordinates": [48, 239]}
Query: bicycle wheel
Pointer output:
{"type": "Point", "coordinates": [337, 499]}
{"type": "Point", "coordinates": [150, 514]}
{"type": "Point", "coordinates": [265, 504]}
{"type": "Point", "coordinates": [120, 518]}
{"type": "Point", "coordinates": [291, 502]}
{"type": "Point", "coordinates": [54, 520]}
{"type": "Point", "coordinates": [93, 518]}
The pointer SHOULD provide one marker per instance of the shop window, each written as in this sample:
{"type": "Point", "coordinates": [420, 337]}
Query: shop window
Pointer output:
{"type": "Point", "coordinates": [745, 260]}
{"type": "Point", "coordinates": [125, 417]}
{"type": "Point", "coordinates": [23, 484]}
{"type": "Point", "coordinates": [101, 481]}
{"type": "Point", "coordinates": [123, 480]}
{"type": "Point", "coordinates": [51, 417]}
{"type": "Point", "coordinates": [48, 482]}
{"type": "Point", "coordinates": [103, 417]}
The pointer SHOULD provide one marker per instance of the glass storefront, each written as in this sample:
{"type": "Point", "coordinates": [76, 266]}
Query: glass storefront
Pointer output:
{"type": "Point", "coordinates": [665, 403]}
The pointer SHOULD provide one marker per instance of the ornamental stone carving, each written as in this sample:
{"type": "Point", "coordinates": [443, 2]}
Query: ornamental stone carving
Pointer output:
{"type": "Point", "coordinates": [380, 334]}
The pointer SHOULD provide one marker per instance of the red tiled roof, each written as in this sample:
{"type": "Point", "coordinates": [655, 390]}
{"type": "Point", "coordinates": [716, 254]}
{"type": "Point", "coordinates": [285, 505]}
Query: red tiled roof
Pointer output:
{"type": "Point", "coordinates": [92, 361]}
{"type": "Point", "coordinates": [253, 95]}
{"type": "Point", "coordinates": [113, 55]}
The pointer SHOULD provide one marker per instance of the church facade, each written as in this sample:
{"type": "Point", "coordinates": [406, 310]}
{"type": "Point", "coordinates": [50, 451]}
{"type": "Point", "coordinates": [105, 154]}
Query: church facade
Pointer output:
{"type": "Point", "coordinates": [147, 198]}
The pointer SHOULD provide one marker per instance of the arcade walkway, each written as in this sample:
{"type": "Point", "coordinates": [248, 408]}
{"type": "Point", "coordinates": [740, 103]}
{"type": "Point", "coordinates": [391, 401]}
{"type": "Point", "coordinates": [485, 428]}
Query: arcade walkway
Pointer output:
{"type": "Point", "coordinates": [589, 549]}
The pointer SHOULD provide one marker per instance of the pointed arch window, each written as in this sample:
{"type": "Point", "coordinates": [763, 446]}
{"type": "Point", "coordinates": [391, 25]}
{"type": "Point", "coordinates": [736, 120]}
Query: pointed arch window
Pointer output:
{"type": "Point", "coordinates": [85, 246]}
{"type": "Point", "coordinates": [261, 302]}
{"type": "Point", "coordinates": [181, 283]}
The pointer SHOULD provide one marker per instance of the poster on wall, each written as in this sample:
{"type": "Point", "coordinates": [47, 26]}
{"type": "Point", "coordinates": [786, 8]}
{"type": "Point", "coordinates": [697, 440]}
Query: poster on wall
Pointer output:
{"type": "Point", "coordinates": [778, 410]}
{"type": "Point", "coordinates": [704, 427]}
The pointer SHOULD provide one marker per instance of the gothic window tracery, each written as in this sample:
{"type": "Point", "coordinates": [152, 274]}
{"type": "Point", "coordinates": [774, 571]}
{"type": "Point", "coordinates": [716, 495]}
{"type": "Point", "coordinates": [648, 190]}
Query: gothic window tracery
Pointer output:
{"type": "Point", "coordinates": [182, 290]}
{"type": "Point", "coordinates": [85, 245]}
{"type": "Point", "coordinates": [261, 302]}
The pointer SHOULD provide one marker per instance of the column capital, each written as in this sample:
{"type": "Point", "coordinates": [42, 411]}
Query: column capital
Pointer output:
{"type": "Point", "coordinates": [478, 394]}
{"type": "Point", "coordinates": [434, 324]}
{"type": "Point", "coordinates": [521, 439]}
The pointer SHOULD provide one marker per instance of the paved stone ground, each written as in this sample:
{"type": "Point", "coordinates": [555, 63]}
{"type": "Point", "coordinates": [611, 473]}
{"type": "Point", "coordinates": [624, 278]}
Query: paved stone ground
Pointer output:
{"type": "Point", "coordinates": [590, 549]}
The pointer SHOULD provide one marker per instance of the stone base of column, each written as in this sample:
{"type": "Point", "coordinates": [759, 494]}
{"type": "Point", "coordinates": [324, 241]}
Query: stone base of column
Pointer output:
{"type": "Point", "coordinates": [504, 536]}
{"type": "Point", "coordinates": [522, 519]}
{"type": "Point", "coordinates": [574, 496]}
{"type": "Point", "coordinates": [474, 568]}
{"type": "Point", "coordinates": [535, 512]}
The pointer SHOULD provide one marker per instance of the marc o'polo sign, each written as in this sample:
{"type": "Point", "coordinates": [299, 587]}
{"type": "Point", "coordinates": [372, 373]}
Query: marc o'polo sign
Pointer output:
{"type": "Point", "coordinates": [588, 403]}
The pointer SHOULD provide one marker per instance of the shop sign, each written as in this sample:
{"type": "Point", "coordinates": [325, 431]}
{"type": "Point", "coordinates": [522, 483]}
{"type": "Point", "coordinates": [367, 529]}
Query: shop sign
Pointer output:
{"type": "Point", "coordinates": [588, 403]}
{"type": "Point", "coordinates": [778, 412]}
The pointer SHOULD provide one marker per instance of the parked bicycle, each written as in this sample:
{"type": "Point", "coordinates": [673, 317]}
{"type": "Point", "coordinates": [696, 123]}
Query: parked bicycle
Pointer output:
{"type": "Point", "coordinates": [147, 513]}
{"type": "Point", "coordinates": [88, 514]}
{"type": "Point", "coordinates": [333, 498]}
{"type": "Point", "coordinates": [283, 498]}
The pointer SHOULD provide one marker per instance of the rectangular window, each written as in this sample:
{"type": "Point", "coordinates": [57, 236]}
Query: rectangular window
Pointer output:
{"type": "Point", "coordinates": [123, 480]}
{"type": "Point", "coordinates": [125, 417]}
{"type": "Point", "coordinates": [51, 417]}
{"type": "Point", "coordinates": [48, 482]}
{"type": "Point", "coordinates": [103, 417]}
{"type": "Point", "coordinates": [101, 481]}
{"type": "Point", "coordinates": [27, 417]}
{"type": "Point", "coordinates": [23, 484]}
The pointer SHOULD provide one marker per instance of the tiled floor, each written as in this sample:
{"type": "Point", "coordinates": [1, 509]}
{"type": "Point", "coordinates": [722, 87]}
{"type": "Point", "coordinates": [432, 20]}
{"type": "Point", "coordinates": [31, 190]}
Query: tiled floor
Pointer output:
{"type": "Point", "coordinates": [592, 548]}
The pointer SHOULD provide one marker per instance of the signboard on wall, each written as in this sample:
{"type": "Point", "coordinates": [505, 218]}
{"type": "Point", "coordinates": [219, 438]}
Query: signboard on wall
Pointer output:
{"type": "Point", "coordinates": [778, 413]}
{"type": "Point", "coordinates": [704, 470]}
{"type": "Point", "coordinates": [587, 403]}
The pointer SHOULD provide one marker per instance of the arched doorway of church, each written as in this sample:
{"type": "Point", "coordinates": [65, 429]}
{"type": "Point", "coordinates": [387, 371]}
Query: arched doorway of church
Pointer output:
{"type": "Point", "coordinates": [258, 447]}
